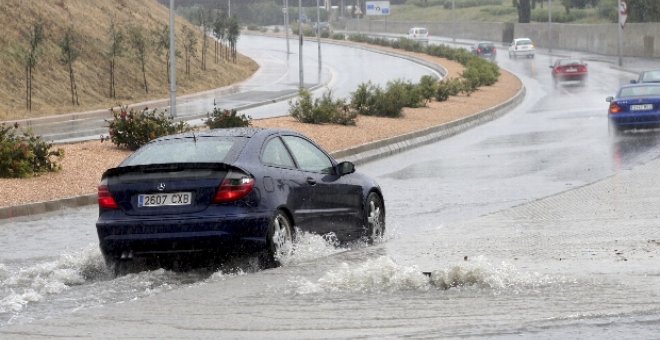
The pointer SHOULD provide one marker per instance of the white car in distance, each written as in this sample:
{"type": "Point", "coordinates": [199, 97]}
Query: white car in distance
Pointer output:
{"type": "Point", "coordinates": [419, 34]}
{"type": "Point", "coordinates": [522, 47]}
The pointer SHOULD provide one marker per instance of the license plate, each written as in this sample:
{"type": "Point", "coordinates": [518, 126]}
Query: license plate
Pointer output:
{"type": "Point", "coordinates": [641, 107]}
{"type": "Point", "coordinates": [165, 199]}
{"type": "Point", "coordinates": [571, 70]}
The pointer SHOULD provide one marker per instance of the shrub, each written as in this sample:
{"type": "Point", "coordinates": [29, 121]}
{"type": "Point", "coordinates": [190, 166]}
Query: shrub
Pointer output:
{"type": "Point", "coordinates": [428, 86]}
{"type": "Point", "coordinates": [132, 129]}
{"type": "Point", "coordinates": [405, 93]}
{"type": "Point", "coordinates": [321, 110]}
{"type": "Point", "coordinates": [25, 155]}
{"type": "Point", "coordinates": [338, 36]}
{"type": "Point", "coordinates": [447, 88]}
{"type": "Point", "coordinates": [220, 118]}
{"type": "Point", "coordinates": [365, 99]}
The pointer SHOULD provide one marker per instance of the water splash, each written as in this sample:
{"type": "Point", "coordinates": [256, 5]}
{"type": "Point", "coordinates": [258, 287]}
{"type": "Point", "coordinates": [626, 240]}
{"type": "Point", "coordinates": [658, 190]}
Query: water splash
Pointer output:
{"type": "Point", "coordinates": [308, 246]}
{"type": "Point", "coordinates": [383, 274]}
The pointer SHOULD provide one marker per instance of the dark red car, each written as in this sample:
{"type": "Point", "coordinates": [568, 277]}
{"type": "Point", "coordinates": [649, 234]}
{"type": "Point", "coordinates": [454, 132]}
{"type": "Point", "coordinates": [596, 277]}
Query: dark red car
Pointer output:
{"type": "Point", "coordinates": [568, 69]}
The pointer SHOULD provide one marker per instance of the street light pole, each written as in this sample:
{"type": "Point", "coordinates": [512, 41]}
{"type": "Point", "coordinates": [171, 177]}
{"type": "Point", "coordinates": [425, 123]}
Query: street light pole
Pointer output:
{"type": "Point", "coordinates": [318, 34]}
{"type": "Point", "coordinates": [172, 63]}
{"type": "Point", "coordinates": [300, 47]}
{"type": "Point", "coordinates": [620, 29]}
{"type": "Point", "coordinates": [453, 15]}
{"type": "Point", "coordinates": [549, 25]}
{"type": "Point", "coordinates": [285, 10]}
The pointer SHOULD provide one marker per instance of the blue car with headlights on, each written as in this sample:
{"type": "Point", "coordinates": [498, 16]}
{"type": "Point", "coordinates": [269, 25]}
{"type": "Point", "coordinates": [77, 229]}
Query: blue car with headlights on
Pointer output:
{"type": "Point", "coordinates": [635, 106]}
{"type": "Point", "coordinates": [231, 191]}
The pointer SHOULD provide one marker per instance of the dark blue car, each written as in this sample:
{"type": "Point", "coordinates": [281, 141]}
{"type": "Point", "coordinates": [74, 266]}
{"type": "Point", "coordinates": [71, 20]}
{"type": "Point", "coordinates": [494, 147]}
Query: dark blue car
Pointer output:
{"type": "Point", "coordinates": [228, 191]}
{"type": "Point", "coordinates": [636, 106]}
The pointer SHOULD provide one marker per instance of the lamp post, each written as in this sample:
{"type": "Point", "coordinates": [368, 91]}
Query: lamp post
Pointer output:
{"type": "Point", "coordinates": [285, 11]}
{"type": "Point", "coordinates": [172, 63]}
{"type": "Point", "coordinates": [549, 25]}
{"type": "Point", "coordinates": [318, 34]}
{"type": "Point", "coordinates": [300, 47]}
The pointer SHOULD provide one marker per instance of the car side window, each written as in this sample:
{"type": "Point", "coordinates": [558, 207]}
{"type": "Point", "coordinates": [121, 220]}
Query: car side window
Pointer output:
{"type": "Point", "coordinates": [308, 156]}
{"type": "Point", "coordinates": [276, 154]}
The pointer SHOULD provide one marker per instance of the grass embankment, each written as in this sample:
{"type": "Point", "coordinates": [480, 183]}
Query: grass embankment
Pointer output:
{"type": "Point", "coordinates": [436, 12]}
{"type": "Point", "coordinates": [91, 21]}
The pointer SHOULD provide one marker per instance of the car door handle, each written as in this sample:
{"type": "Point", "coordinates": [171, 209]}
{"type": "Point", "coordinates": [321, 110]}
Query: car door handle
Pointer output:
{"type": "Point", "coordinates": [311, 181]}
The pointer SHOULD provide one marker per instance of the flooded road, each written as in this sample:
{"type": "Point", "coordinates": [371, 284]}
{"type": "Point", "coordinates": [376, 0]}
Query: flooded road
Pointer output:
{"type": "Point", "coordinates": [536, 225]}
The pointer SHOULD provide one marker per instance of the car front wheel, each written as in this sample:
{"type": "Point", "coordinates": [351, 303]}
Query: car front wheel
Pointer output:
{"type": "Point", "coordinates": [375, 218]}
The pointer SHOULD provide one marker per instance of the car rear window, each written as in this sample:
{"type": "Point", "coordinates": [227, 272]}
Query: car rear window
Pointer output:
{"type": "Point", "coordinates": [640, 91]}
{"type": "Point", "coordinates": [524, 42]}
{"type": "Point", "coordinates": [187, 150]}
{"type": "Point", "coordinates": [651, 76]}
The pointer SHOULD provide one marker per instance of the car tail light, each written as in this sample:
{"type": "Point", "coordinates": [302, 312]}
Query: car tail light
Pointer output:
{"type": "Point", "coordinates": [615, 108]}
{"type": "Point", "coordinates": [479, 50]}
{"type": "Point", "coordinates": [493, 49]}
{"type": "Point", "coordinates": [234, 187]}
{"type": "Point", "coordinates": [105, 199]}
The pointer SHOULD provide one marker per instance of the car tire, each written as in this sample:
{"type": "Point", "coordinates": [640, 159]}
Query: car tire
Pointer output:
{"type": "Point", "coordinates": [279, 240]}
{"type": "Point", "coordinates": [374, 218]}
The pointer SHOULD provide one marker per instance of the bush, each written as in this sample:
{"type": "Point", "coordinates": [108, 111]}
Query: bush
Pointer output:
{"type": "Point", "coordinates": [371, 100]}
{"type": "Point", "coordinates": [321, 110]}
{"type": "Point", "coordinates": [428, 85]}
{"type": "Point", "coordinates": [447, 88]}
{"type": "Point", "coordinates": [132, 129]}
{"type": "Point", "coordinates": [220, 118]}
{"type": "Point", "coordinates": [25, 155]}
{"type": "Point", "coordinates": [338, 36]}
{"type": "Point", "coordinates": [365, 99]}
{"type": "Point", "coordinates": [404, 93]}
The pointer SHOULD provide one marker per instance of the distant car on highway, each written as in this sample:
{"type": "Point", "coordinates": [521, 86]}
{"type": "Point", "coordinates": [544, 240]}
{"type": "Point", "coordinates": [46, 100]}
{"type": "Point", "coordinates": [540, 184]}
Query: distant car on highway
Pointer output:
{"type": "Point", "coordinates": [635, 106]}
{"type": "Point", "coordinates": [569, 69]}
{"type": "Point", "coordinates": [650, 76]}
{"type": "Point", "coordinates": [522, 47]}
{"type": "Point", "coordinates": [322, 27]}
{"type": "Point", "coordinates": [419, 34]}
{"type": "Point", "coordinates": [230, 191]}
{"type": "Point", "coordinates": [485, 49]}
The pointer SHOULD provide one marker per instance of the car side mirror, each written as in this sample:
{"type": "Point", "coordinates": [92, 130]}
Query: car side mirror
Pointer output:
{"type": "Point", "coordinates": [609, 99]}
{"type": "Point", "coordinates": [551, 66]}
{"type": "Point", "coordinates": [345, 168]}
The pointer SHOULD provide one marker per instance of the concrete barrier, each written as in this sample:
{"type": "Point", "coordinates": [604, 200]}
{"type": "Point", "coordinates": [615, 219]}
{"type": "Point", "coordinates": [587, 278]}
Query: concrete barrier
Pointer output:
{"type": "Point", "coordinates": [639, 39]}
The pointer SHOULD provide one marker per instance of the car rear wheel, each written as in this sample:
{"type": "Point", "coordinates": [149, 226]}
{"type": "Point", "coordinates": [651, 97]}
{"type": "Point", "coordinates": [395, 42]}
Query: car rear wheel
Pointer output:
{"type": "Point", "coordinates": [375, 218]}
{"type": "Point", "coordinates": [280, 240]}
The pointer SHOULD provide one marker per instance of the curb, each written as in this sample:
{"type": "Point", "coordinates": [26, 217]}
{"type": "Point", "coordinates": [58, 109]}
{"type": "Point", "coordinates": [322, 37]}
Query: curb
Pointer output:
{"type": "Point", "coordinates": [358, 155]}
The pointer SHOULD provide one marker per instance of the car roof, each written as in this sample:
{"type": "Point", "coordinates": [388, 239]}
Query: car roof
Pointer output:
{"type": "Point", "coordinates": [229, 132]}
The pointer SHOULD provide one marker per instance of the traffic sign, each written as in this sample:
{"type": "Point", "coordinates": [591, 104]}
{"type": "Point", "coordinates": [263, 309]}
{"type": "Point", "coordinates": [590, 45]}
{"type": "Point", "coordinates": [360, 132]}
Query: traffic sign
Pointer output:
{"type": "Point", "coordinates": [378, 7]}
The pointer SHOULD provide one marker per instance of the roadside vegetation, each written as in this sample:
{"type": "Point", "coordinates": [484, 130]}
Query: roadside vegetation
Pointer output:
{"type": "Point", "coordinates": [66, 56]}
{"type": "Point", "coordinates": [22, 154]}
{"type": "Point", "coordinates": [372, 100]}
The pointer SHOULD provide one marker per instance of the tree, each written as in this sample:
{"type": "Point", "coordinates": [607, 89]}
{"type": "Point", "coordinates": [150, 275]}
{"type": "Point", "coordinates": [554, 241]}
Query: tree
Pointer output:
{"type": "Point", "coordinates": [163, 45]}
{"type": "Point", "coordinates": [219, 32]}
{"type": "Point", "coordinates": [141, 49]}
{"type": "Point", "coordinates": [233, 31]}
{"type": "Point", "coordinates": [204, 24]}
{"type": "Point", "coordinates": [189, 46]}
{"type": "Point", "coordinates": [643, 10]}
{"type": "Point", "coordinates": [31, 56]}
{"type": "Point", "coordinates": [524, 11]}
{"type": "Point", "coordinates": [69, 54]}
{"type": "Point", "coordinates": [114, 52]}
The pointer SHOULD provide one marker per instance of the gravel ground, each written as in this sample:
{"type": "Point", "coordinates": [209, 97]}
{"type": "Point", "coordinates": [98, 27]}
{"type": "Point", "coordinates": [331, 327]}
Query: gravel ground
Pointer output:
{"type": "Point", "coordinates": [84, 163]}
